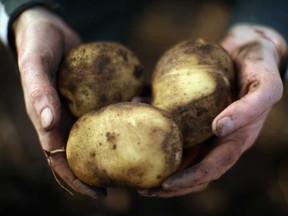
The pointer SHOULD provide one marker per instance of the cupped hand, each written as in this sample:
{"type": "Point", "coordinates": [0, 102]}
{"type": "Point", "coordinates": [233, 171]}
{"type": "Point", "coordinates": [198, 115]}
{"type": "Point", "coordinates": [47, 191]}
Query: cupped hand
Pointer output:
{"type": "Point", "coordinates": [41, 40]}
{"type": "Point", "coordinates": [257, 52]}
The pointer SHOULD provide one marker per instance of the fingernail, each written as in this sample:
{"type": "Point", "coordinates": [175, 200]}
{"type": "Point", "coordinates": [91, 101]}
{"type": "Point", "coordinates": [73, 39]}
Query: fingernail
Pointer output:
{"type": "Point", "coordinates": [101, 193]}
{"type": "Point", "coordinates": [46, 117]}
{"type": "Point", "coordinates": [167, 186]}
{"type": "Point", "coordinates": [224, 126]}
{"type": "Point", "coordinates": [147, 193]}
{"type": "Point", "coordinates": [98, 193]}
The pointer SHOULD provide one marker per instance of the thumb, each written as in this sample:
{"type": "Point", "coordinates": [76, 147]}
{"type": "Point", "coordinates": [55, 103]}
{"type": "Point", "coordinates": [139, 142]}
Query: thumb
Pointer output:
{"type": "Point", "coordinates": [39, 53]}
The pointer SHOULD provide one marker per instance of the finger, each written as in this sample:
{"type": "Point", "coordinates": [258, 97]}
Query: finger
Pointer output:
{"type": "Point", "coordinates": [258, 94]}
{"type": "Point", "coordinates": [38, 62]}
{"type": "Point", "coordinates": [259, 80]}
{"type": "Point", "coordinates": [260, 85]}
{"type": "Point", "coordinates": [172, 193]}
{"type": "Point", "coordinates": [39, 15]}
{"type": "Point", "coordinates": [53, 145]}
{"type": "Point", "coordinates": [218, 161]}
{"type": "Point", "coordinates": [60, 165]}
{"type": "Point", "coordinates": [205, 171]}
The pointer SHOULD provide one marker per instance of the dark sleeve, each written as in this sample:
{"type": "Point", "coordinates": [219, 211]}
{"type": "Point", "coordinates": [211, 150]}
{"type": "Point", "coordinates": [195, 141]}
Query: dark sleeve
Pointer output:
{"type": "Point", "coordinates": [271, 13]}
{"type": "Point", "coordinates": [14, 7]}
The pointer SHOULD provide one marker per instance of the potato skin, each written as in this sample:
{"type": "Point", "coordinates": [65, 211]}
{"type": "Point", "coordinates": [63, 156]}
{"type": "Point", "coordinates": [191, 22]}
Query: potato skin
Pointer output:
{"type": "Point", "coordinates": [125, 144]}
{"type": "Point", "coordinates": [96, 74]}
{"type": "Point", "coordinates": [193, 82]}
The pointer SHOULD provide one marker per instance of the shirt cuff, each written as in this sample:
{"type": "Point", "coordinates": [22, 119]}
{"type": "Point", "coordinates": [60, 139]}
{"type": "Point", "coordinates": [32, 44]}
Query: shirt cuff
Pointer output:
{"type": "Point", "coordinates": [4, 20]}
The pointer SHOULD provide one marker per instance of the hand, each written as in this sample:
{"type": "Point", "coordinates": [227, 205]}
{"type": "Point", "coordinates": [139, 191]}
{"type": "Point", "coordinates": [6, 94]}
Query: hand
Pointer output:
{"type": "Point", "coordinates": [41, 40]}
{"type": "Point", "coordinates": [257, 52]}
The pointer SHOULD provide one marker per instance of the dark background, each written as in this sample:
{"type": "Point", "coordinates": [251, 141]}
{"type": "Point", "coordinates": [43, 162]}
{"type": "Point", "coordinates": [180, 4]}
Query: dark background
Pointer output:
{"type": "Point", "coordinates": [256, 185]}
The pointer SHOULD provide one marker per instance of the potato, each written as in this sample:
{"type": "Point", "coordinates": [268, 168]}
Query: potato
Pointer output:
{"type": "Point", "coordinates": [124, 144]}
{"type": "Point", "coordinates": [193, 82]}
{"type": "Point", "coordinates": [96, 74]}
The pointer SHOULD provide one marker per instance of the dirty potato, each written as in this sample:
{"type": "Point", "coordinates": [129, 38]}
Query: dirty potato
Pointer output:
{"type": "Point", "coordinates": [97, 74]}
{"type": "Point", "coordinates": [193, 82]}
{"type": "Point", "coordinates": [125, 144]}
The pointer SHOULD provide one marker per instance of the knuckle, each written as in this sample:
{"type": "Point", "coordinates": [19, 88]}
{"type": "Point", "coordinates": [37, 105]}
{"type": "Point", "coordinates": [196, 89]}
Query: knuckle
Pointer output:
{"type": "Point", "coordinates": [35, 93]}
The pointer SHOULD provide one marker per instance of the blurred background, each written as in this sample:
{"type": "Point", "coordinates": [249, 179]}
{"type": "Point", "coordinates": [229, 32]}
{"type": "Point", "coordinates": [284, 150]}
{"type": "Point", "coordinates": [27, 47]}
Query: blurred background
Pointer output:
{"type": "Point", "coordinates": [256, 185]}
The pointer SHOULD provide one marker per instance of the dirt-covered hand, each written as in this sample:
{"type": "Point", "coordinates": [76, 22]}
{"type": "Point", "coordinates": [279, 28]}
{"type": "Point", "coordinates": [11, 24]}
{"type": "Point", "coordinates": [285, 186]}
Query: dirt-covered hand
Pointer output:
{"type": "Point", "coordinates": [41, 40]}
{"type": "Point", "coordinates": [257, 52]}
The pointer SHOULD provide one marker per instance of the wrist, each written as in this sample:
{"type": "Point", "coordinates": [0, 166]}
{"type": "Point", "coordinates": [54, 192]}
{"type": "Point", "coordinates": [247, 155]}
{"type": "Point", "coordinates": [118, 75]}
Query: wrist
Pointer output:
{"type": "Point", "coordinates": [242, 34]}
{"type": "Point", "coordinates": [11, 10]}
{"type": "Point", "coordinates": [34, 14]}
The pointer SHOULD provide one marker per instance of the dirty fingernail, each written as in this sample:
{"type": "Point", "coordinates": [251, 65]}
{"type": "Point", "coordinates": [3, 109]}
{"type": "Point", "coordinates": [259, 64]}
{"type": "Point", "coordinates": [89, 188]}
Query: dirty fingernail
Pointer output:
{"type": "Point", "coordinates": [46, 117]}
{"type": "Point", "coordinates": [147, 193]}
{"type": "Point", "coordinates": [224, 126]}
{"type": "Point", "coordinates": [99, 194]}
{"type": "Point", "coordinates": [168, 186]}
